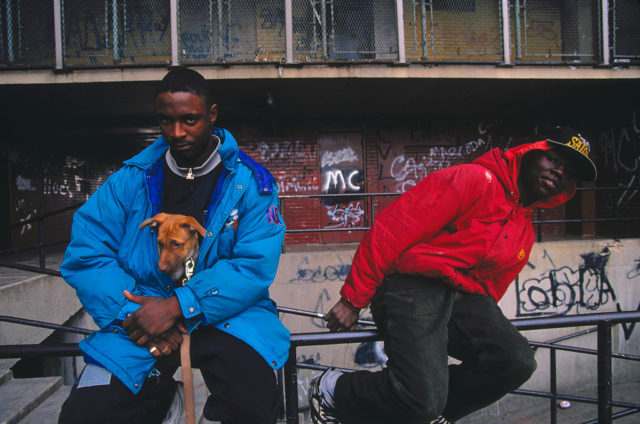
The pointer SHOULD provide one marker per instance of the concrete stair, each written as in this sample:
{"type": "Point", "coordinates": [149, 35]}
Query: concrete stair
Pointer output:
{"type": "Point", "coordinates": [21, 396]}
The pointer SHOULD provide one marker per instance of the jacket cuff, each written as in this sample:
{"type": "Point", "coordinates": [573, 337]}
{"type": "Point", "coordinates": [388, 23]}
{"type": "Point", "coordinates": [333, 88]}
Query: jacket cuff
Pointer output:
{"type": "Point", "coordinates": [188, 302]}
{"type": "Point", "coordinates": [349, 304]}
{"type": "Point", "coordinates": [128, 309]}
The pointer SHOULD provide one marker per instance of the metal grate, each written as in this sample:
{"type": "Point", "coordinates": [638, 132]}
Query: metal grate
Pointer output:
{"type": "Point", "coordinates": [625, 31]}
{"type": "Point", "coordinates": [344, 30]}
{"type": "Point", "coordinates": [87, 32]}
{"type": "Point", "coordinates": [115, 32]}
{"type": "Point", "coordinates": [146, 34]}
{"type": "Point", "coordinates": [557, 31]}
{"type": "Point", "coordinates": [27, 34]}
{"type": "Point", "coordinates": [460, 30]}
{"type": "Point", "coordinates": [231, 30]}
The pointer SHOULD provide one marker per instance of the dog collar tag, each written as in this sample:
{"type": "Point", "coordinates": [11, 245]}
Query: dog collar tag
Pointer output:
{"type": "Point", "coordinates": [189, 267]}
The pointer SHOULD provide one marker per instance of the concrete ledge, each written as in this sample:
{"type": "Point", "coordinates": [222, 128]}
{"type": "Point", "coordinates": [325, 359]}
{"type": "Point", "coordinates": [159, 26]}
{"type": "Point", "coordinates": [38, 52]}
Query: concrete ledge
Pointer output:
{"type": "Point", "coordinates": [324, 70]}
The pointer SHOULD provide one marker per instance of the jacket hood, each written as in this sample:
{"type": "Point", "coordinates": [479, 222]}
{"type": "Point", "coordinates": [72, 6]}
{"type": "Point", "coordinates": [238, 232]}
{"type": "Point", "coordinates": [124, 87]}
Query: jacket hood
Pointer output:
{"type": "Point", "coordinates": [228, 151]}
{"type": "Point", "coordinates": [506, 166]}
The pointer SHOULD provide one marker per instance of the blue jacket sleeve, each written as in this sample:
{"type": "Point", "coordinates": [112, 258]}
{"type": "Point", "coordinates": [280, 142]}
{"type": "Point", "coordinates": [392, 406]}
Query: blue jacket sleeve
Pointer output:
{"type": "Point", "coordinates": [91, 263]}
{"type": "Point", "coordinates": [240, 280]}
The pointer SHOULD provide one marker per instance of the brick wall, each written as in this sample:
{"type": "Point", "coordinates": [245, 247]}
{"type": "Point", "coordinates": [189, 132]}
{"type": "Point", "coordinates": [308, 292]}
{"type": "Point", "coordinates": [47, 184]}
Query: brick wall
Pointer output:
{"type": "Point", "coordinates": [395, 154]}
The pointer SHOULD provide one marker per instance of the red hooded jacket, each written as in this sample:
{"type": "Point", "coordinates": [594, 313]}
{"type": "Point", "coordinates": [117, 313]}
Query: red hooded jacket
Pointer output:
{"type": "Point", "coordinates": [462, 224]}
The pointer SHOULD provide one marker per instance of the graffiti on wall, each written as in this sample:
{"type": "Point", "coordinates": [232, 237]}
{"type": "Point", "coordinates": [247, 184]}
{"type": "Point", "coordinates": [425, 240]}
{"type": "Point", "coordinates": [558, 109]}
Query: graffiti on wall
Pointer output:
{"type": "Point", "coordinates": [405, 159]}
{"type": "Point", "coordinates": [563, 290]}
{"type": "Point", "coordinates": [305, 273]}
{"type": "Point", "coordinates": [620, 151]}
{"type": "Point", "coordinates": [341, 170]}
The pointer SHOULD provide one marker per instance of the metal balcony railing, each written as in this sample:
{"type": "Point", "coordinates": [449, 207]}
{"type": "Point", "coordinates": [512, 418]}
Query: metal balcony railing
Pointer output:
{"type": "Point", "coordinates": [75, 34]}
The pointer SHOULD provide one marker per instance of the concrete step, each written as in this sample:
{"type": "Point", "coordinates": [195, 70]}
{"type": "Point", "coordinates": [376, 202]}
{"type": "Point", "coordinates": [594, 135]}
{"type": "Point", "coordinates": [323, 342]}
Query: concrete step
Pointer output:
{"type": "Point", "coordinates": [47, 412]}
{"type": "Point", "coordinates": [21, 396]}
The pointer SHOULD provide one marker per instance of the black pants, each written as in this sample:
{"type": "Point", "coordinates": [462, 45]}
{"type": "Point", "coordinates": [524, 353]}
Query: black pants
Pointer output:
{"type": "Point", "coordinates": [243, 388]}
{"type": "Point", "coordinates": [424, 321]}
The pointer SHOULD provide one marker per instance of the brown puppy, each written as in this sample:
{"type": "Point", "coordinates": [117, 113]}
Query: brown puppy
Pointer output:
{"type": "Point", "coordinates": [178, 244]}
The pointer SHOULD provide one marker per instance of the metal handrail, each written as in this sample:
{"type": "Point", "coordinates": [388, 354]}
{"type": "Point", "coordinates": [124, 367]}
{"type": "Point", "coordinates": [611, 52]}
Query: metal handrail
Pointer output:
{"type": "Point", "coordinates": [603, 321]}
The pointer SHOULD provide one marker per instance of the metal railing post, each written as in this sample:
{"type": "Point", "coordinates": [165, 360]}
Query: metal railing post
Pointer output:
{"type": "Point", "coordinates": [400, 21]}
{"type": "Point", "coordinates": [323, 24]}
{"type": "Point", "coordinates": [41, 242]}
{"type": "Point", "coordinates": [288, 31]}
{"type": "Point", "coordinates": [506, 33]}
{"type": "Point", "coordinates": [615, 214]}
{"type": "Point", "coordinates": [291, 386]}
{"type": "Point", "coordinates": [423, 25]}
{"type": "Point", "coordinates": [539, 225]}
{"type": "Point", "coordinates": [605, 392]}
{"type": "Point", "coordinates": [516, 8]}
{"type": "Point", "coordinates": [553, 386]}
{"type": "Point", "coordinates": [116, 35]}
{"type": "Point", "coordinates": [604, 5]}
{"type": "Point", "coordinates": [173, 11]}
{"type": "Point", "coordinates": [9, 25]}
{"type": "Point", "coordinates": [57, 32]}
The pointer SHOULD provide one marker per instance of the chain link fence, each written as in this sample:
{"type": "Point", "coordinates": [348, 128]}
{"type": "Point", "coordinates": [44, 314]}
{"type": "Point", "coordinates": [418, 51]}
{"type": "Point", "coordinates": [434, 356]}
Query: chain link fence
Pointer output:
{"type": "Point", "coordinates": [231, 31]}
{"type": "Point", "coordinates": [106, 33]}
{"type": "Point", "coordinates": [625, 31]}
{"type": "Point", "coordinates": [26, 38]}
{"type": "Point", "coordinates": [345, 30]}
{"type": "Point", "coordinates": [100, 33]}
{"type": "Point", "coordinates": [550, 31]}
{"type": "Point", "coordinates": [458, 30]}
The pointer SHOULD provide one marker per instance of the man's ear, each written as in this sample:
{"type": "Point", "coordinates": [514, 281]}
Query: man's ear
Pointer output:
{"type": "Point", "coordinates": [213, 114]}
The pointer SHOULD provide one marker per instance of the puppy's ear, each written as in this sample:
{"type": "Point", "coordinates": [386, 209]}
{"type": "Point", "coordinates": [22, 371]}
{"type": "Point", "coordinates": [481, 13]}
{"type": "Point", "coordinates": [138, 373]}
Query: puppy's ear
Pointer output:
{"type": "Point", "coordinates": [155, 221]}
{"type": "Point", "coordinates": [191, 223]}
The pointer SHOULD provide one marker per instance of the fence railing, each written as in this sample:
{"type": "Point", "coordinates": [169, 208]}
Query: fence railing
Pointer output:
{"type": "Point", "coordinates": [604, 323]}
{"type": "Point", "coordinates": [71, 34]}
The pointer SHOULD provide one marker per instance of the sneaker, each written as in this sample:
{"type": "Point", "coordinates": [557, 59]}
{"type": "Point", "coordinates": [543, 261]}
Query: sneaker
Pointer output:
{"type": "Point", "coordinates": [441, 420]}
{"type": "Point", "coordinates": [175, 415]}
{"type": "Point", "coordinates": [323, 410]}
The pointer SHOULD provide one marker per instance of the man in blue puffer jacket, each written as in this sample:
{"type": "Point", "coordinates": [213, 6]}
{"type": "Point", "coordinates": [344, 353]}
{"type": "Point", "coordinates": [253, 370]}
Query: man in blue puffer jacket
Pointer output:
{"type": "Point", "coordinates": [237, 339]}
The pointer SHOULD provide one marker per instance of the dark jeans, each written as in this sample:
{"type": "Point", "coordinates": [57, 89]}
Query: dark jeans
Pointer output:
{"type": "Point", "coordinates": [242, 385]}
{"type": "Point", "coordinates": [424, 321]}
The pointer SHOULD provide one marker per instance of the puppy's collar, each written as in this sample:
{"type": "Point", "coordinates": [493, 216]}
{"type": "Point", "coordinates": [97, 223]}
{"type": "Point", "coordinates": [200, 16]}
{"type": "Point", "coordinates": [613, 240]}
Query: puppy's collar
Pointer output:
{"type": "Point", "coordinates": [191, 173]}
{"type": "Point", "coordinates": [189, 268]}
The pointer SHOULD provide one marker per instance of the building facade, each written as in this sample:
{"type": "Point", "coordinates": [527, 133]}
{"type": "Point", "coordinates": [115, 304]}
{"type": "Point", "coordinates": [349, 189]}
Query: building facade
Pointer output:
{"type": "Point", "coordinates": [348, 102]}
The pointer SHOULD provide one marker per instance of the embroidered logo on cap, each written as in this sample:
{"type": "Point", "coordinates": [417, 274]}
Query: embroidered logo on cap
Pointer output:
{"type": "Point", "coordinates": [580, 144]}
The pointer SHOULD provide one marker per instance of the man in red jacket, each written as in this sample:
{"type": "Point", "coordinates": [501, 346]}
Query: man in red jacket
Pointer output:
{"type": "Point", "coordinates": [433, 267]}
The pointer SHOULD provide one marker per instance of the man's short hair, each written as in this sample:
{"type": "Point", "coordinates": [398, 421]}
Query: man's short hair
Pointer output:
{"type": "Point", "coordinates": [185, 80]}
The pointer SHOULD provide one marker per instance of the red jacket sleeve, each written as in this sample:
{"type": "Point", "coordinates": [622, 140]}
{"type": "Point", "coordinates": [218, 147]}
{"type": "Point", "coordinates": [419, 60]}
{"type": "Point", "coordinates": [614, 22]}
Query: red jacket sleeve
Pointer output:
{"type": "Point", "coordinates": [415, 217]}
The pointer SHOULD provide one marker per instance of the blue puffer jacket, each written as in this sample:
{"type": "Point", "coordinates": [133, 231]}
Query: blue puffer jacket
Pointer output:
{"type": "Point", "coordinates": [236, 265]}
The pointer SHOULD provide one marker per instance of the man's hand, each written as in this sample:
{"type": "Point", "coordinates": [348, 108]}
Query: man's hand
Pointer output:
{"type": "Point", "coordinates": [167, 342]}
{"type": "Point", "coordinates": [342, 317]}
{"type": "Point", "coordinates": [155, 317]}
